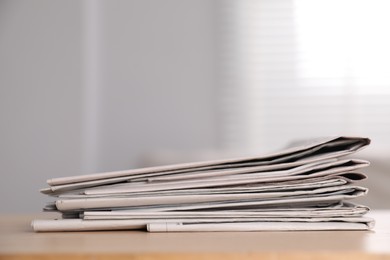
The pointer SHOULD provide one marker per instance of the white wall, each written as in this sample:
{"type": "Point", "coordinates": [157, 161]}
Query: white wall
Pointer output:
{"type": "Point", "coordinates": [40, 101]}
{"type": "Point", "coordinates": [95, 85]}
{"type": "Point", "coordinates": [157, 86]}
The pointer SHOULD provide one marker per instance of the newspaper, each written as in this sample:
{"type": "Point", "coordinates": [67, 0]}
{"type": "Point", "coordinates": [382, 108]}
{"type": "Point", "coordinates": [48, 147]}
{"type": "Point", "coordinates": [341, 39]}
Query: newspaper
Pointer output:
{"type": "Point", "coordinates": [312, 151]}
{"type": "Point", "coordinates": [199, 225]}
{"type": "Point", "coordinates": [306, 187]}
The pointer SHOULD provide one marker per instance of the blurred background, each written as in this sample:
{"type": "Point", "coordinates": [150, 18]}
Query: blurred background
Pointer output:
{"type": "Point", "coordinates": [98, 85]}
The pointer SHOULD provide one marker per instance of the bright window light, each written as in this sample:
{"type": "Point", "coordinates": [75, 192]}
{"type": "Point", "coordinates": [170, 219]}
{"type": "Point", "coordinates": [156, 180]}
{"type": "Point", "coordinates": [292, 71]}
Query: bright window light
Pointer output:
{"type": "Point", "coordinates": [295, 69]}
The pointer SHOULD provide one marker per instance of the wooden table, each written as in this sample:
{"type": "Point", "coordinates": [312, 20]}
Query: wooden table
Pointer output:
{"type": "Point", "coordinates": [18, 241]}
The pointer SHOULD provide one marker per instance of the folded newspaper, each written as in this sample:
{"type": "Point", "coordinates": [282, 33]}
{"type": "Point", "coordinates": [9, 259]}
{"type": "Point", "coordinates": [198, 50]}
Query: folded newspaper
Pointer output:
{"type": "Point", "coordinates": [307, 187]}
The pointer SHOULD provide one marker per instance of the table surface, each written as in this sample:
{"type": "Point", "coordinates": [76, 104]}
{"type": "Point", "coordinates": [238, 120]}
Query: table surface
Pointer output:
{"type": "Point", "coordinates": [17, 240]}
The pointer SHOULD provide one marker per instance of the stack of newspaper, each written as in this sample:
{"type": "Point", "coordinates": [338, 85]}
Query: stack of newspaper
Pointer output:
{"type": "Point", "coordinates": [307, 187]}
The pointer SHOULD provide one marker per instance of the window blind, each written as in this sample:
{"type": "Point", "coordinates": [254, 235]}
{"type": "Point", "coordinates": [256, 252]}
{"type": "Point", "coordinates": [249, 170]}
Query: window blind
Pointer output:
{"type": "Point", "coordinates": [295, 69]}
